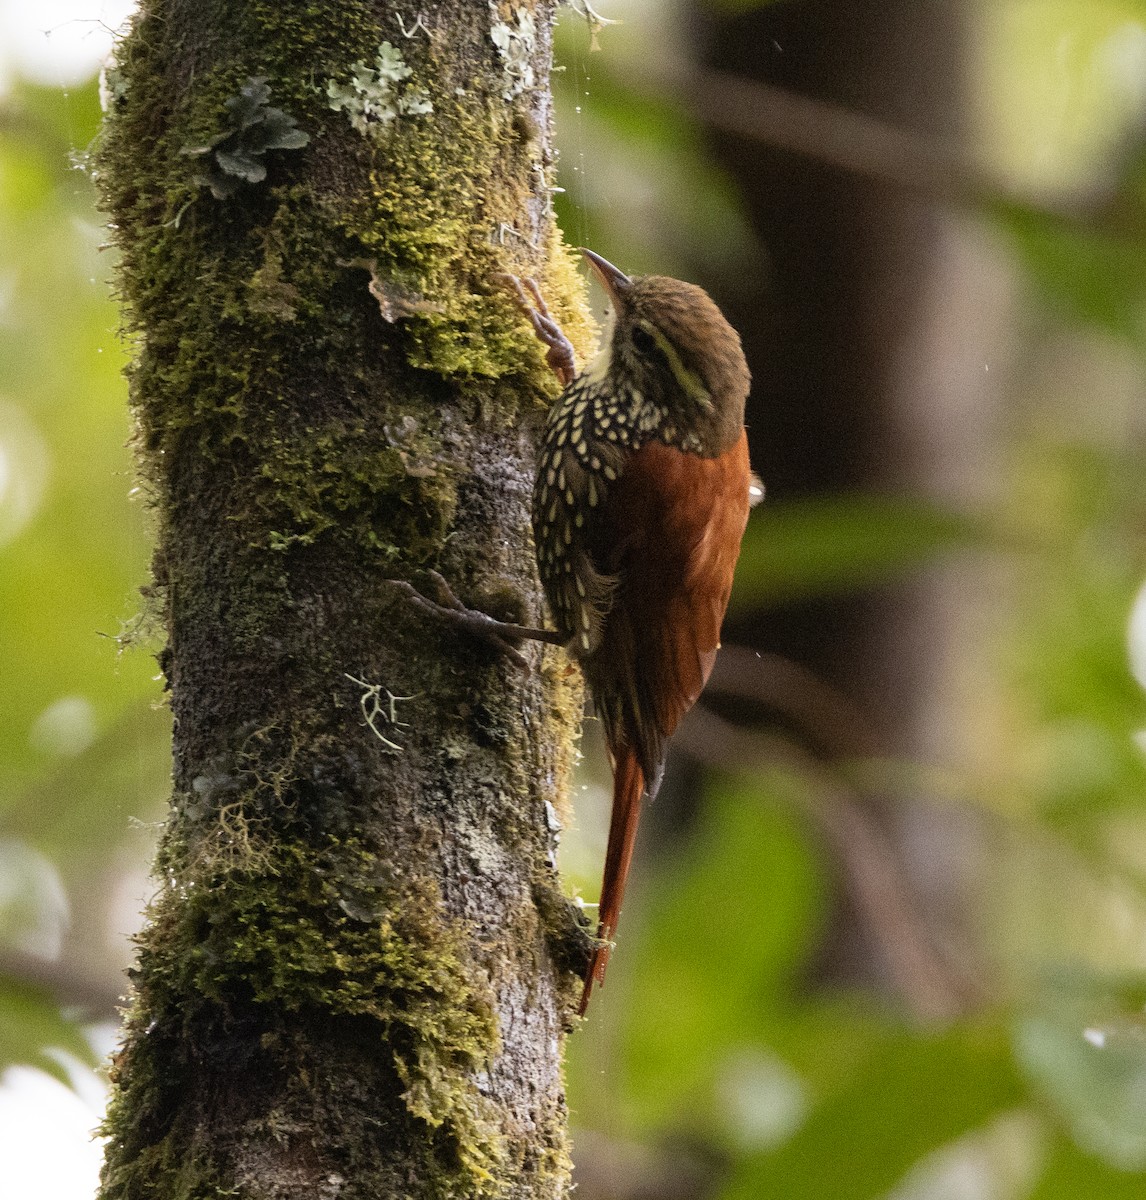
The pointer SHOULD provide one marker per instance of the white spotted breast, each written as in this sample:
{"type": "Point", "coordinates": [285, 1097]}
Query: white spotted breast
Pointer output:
{"type": "Point", "coordinates": [589, 434]}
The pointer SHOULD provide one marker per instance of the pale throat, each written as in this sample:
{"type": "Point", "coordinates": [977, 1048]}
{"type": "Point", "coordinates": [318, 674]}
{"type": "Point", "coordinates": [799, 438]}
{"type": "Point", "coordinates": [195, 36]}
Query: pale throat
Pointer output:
{"type": "Point", "coordinates": [597, 368]}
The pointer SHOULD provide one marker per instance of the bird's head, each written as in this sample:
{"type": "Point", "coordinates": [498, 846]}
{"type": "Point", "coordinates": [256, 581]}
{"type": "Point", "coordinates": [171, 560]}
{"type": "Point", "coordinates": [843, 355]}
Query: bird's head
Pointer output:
{"type": "Point", "coordinates": [671, 347]}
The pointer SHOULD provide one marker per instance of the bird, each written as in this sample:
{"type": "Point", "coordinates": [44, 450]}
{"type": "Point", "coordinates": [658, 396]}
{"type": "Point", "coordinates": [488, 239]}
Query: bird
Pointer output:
{"type": "Point", "coordinates": [640, 502]}
{"type": "Point", "coordinates": [641, 499]}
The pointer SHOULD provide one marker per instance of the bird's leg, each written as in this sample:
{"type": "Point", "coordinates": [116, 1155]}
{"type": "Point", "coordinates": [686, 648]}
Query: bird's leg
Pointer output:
{"type": "Point", "coordinates": [560, 357]}
{"type": "Point", "coordinates": [504, 636]}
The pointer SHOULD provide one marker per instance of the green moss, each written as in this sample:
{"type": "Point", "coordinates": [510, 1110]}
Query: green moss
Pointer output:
{"type": "Point", "coordinates": [319, 934]}
{"type": "Point", "coordinates": [336, 479]}
{"type": "Point", "coordinates": [160, 1172]}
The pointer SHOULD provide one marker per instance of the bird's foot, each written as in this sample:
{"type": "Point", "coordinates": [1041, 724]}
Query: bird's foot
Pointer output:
{"type": "Point", "coordinates": [560, 357]}
{"type": "Point", "coordinates": [503, 636]}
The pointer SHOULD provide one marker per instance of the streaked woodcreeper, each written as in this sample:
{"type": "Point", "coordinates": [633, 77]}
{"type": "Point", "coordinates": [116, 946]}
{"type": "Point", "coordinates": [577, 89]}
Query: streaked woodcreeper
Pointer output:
{"type": "Point", "coordinates": [641, 499]}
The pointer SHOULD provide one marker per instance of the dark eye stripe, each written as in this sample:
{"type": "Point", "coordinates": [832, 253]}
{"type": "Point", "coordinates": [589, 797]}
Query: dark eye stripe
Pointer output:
{"type": "Point", "coordinates": [644, 341]}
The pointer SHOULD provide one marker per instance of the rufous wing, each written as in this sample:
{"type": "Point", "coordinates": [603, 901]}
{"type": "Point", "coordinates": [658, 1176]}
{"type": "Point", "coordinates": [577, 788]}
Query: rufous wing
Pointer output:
{"type": "Point", "coordinates": [672, 528]}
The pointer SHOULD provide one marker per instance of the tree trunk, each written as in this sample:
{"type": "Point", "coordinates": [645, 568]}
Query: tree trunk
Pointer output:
{"type": "Point", "coordinates": [353, 982]}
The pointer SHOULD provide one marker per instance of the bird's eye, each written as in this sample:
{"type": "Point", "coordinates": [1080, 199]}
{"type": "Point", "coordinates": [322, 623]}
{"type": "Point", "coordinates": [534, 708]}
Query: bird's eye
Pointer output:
{"type": "Point", "coordinates": [643, 340]}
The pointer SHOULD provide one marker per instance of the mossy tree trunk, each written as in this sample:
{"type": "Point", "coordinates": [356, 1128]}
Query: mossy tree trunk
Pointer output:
{"type": "Point", "coordinates": [351, 983]}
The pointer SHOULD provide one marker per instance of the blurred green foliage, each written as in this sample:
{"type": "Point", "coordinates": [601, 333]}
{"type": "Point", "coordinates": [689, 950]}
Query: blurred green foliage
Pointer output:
{"type": "Point", "coordinates": [31, 1027]}
{"type": "Point", "coordinates": [82, 749]}
{"type": "Point", "coordinates": [679, 211]}
{"type": "Point", "coordinates": [688, 1016]}
{"type": "Point", "coordinates": [709, 1030]}
{"type": "Point", "coordinates": [712, 1031]}
{"type": "Point", "coordinates": [823, 546]}
{"type": "Point", "coordinates": [1095, 274]}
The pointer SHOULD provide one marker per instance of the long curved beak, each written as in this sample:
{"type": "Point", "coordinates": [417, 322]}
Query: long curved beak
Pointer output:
{"type": "Point", "coordinates": [615, 282]}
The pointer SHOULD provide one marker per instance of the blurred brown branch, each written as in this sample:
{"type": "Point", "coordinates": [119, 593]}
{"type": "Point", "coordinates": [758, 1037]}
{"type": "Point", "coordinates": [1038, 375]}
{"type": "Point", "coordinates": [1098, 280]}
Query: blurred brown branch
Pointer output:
{"type": "Point", "coordinates": [69, 986]}
{"type": "Point", "coordinates": [851, 140]}
{"type": "Point", "coordinates": [834, 134]}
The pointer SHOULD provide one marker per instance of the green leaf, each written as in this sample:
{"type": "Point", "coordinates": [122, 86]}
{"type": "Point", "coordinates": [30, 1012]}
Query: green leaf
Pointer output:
{"type": "Point", "coordinates": [1084, 1049]}
{"type": "Point", "coordinates": [1069, 1174]}
{"type": "Point", "coordinates": [222, 187]}
{"type": "Point", "coordinates": [242, 164]}
{"type": "Point", "coordinates": [1095, 1076]}
{"type": "Point", "coordinates": [814, 547]}
{"type": "Point", "coordinates": [919, 1093]}
{"type": "Point", "coordinates": [280, 132]}
{"type": "Point", "coordinates": [252, 98]}
{"type": "Point", "coordinates": [206, 148]}
{"type": "Point", "coordinates": [1097, 276]}
{"type": "Point", "coordinates": [31, 1025]}
{"type": "Point", "coordinates": [238, 151]}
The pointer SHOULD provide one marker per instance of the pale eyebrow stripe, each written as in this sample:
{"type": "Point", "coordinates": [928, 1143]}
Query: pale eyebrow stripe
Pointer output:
{"type": "Point", "coordinates": [688, 380]}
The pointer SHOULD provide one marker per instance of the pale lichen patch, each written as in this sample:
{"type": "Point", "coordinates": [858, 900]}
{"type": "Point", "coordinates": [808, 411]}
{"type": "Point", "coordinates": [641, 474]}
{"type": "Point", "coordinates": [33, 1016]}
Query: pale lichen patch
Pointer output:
{"type": "Point", "coordinates": [375, 96]}
{"type": "Point", "coordinates": [516, 45]}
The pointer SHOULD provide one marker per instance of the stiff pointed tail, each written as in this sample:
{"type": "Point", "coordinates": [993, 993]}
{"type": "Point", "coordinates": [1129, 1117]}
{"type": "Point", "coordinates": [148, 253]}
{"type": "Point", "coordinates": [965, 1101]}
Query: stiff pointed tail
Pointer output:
{"type": "Point", "coordinates": [628, 789]}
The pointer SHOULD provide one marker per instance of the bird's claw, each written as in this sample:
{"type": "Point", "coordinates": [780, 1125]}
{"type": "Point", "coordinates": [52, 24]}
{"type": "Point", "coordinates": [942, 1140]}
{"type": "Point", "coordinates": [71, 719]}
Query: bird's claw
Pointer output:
{"type": "Point", "coordinates": [559, 357]}
{"type": "Point", "coordinates": [446, 596]}
{"type": "Point", "coordinates": [503, 636]}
